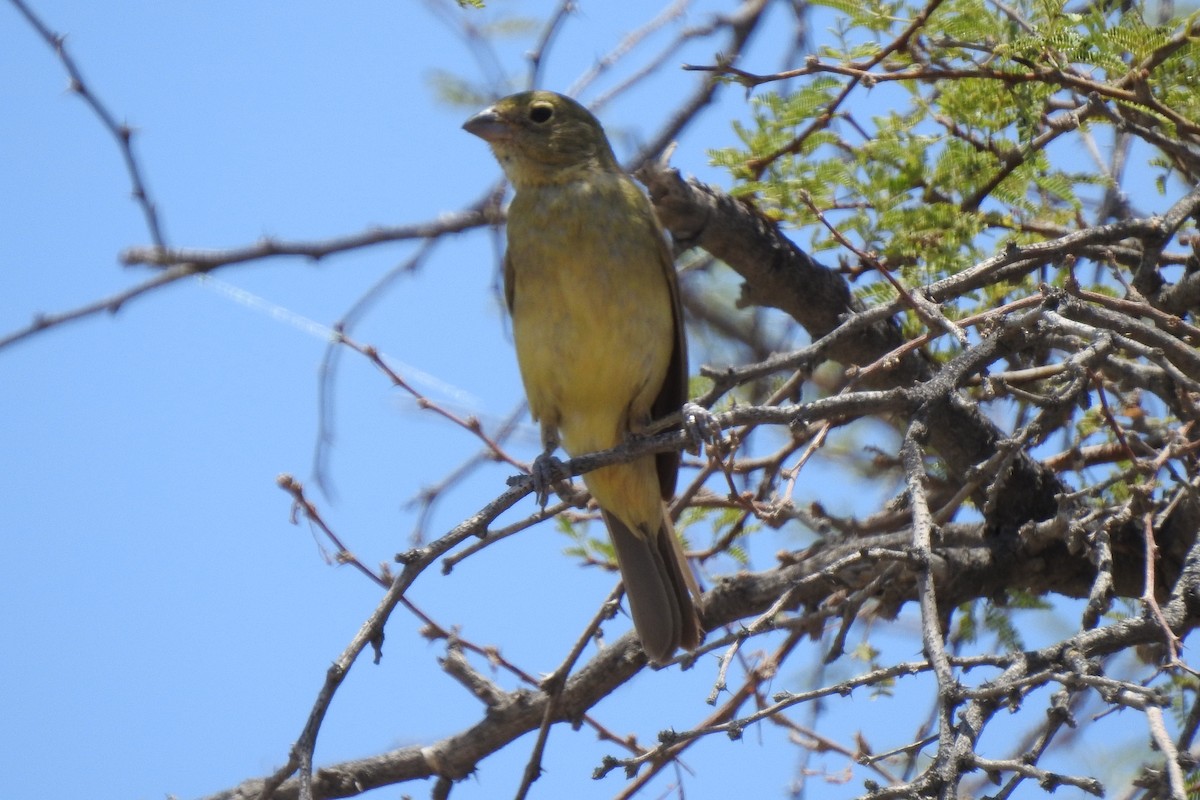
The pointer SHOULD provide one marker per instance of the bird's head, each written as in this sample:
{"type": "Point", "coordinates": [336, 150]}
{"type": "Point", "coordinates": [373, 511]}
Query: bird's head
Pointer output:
{"type": "Point", "coordinates": [543, 137]}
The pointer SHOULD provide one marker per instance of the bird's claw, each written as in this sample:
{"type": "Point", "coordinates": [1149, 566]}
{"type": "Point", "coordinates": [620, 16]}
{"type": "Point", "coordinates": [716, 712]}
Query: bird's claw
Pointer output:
{"type": "Point", "coordinates": [701, 425]}
{"type": "Point", "coordinates": [546, 471]}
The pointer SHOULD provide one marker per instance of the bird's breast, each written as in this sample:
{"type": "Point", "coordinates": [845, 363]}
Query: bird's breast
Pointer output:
{"type": "Point", "coordinates": [592, 311]}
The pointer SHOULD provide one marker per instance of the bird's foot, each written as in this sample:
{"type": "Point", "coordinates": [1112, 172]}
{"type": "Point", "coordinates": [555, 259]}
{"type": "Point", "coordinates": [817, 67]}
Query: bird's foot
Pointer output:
{"type": "Point", "coordinates": [701, 425]}
{"type": "Point", "coordinates": [546, 471]}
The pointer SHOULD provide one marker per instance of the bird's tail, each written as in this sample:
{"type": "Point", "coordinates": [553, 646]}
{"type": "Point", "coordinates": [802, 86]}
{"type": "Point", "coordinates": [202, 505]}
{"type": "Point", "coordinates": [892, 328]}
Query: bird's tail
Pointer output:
{"type": "Point", "coordinates": [659, 584]}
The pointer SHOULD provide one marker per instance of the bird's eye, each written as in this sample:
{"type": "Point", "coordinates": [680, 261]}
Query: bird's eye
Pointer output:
{"type": "Point", "coordinates": [541, 113]}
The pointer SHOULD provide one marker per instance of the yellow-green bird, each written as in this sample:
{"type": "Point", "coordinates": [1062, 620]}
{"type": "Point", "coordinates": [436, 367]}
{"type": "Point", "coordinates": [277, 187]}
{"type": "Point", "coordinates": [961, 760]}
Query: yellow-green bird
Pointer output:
{"type": "Point", "coordinates": [591, 286]}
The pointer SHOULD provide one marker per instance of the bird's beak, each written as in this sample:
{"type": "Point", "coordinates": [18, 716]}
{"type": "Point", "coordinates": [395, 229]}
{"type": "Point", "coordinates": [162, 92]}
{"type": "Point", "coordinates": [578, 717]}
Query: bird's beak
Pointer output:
{"type": "Point", "coordinates": [489, 126]}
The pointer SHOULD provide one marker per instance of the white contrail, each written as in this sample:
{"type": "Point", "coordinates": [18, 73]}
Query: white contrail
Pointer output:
{"type": "Point", "coordinates": [328, 334]}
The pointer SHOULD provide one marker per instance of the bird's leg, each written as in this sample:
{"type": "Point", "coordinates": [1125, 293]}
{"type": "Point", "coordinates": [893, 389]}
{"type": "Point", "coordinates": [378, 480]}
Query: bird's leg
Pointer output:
{"type": "Point", "coordinates": [702, 427]}
{"type": "Point", "coordinates": [547, 469]}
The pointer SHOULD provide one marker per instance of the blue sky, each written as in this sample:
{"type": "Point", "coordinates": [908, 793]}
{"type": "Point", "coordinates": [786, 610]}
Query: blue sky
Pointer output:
{"type": "Point", "coordinates": [166, 628]}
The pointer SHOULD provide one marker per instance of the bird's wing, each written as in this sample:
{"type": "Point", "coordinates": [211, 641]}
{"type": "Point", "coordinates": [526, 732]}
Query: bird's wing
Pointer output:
{"type": "Point", "coordinates": [509, 282]}
{"type": "Point", "coordinates": [673, 392]}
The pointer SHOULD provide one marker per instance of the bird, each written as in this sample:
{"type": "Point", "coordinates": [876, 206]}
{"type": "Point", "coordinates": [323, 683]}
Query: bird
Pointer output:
{"type": "Point", "coordinates": [590, 283]}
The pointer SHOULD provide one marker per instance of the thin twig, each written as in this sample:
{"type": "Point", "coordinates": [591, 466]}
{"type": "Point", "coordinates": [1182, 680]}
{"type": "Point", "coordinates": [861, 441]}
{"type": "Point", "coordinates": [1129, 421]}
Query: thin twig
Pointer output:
{"type": "Point", "coordinates": [553, 686]}
{"type": "Point", "coordinates": [121, 133]}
